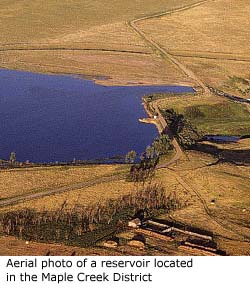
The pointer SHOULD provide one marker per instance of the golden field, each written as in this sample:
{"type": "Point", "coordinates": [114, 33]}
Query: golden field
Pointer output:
{"type": "Point", "coordinates": [82, 37]}
{"type": "Point", "coordinates": [90, 39]}
{"type": "Point", "coordinates": [23, 19]}
{"type": "Point", "coordinates": [219, 199]}
{"type": "Point", "coordinates": [23, 181]}
{"type": "Point", "coordinates": [88, 195]}
{"type": "Point", "coordinates": [212, 40]}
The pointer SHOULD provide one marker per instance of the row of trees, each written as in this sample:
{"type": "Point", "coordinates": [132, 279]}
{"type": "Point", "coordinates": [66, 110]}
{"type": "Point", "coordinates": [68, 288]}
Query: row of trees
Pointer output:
{"type": "Point", "coordinates": [70, 224]}
{"type": "Point", "coordinates": [160, 146]}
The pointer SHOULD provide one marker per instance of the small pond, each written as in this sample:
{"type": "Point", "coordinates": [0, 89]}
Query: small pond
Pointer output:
{"type": "Point", "coordinates": [48, 118]}
{"type": "Point", "coordinates": [221, 139]}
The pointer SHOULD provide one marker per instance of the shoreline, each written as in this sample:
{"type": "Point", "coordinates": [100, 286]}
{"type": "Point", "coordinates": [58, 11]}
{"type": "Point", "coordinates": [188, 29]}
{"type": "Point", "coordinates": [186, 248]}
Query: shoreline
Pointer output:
{"type": "Point", "coordinates": [101, 79]}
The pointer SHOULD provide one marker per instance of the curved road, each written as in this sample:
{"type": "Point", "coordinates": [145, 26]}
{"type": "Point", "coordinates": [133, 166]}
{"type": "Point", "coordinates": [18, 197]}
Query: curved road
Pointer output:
{"type": "Point", "coordinates": [162, 51]}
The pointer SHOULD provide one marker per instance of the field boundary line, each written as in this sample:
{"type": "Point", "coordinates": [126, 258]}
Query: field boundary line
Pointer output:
{"type": "Point", "coordinates": [48, 192]}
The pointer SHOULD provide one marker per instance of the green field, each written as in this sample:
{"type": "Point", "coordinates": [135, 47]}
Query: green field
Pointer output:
{"type": "Point", "coordinates": [227, 118]}
{"type": "Point", "coordinates": [211, 115]}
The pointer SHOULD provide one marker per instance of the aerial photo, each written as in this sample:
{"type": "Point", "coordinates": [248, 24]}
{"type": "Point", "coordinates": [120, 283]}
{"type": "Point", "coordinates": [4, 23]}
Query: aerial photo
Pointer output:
{"type": "Point", "coordinates": [125, 128]}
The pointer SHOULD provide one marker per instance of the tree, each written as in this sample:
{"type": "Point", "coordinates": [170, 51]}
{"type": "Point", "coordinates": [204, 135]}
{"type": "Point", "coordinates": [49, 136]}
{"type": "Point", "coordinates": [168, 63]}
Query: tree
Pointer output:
{"type": "Point", "coordinates": [130, 156]}
{"type": "Point", "coordinates": [162, 145]}
{"type": "Point", "coordinates": [149, 152]}
{"type": "Point", "coordinates": [175, 121]}
{"type": "Point", "coordinates": [13, 157]}
{"type": "Point", "coordinates": [182, 129]}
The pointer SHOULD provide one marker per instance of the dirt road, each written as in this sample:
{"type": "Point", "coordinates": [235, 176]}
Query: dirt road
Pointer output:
{"type": "Point", "coordinates": [179, 153]}
{"type": "Point", "coordinates": [156, 47]}
{"type": "Point", "coordinates": [47, 48]}
{"type": "Point", "coordinates": [48, 192]}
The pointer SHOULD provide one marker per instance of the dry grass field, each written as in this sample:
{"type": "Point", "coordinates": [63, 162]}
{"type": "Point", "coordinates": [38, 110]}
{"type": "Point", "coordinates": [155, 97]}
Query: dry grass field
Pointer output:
{"type": "Point", "coordinates": [89, 38]}
{"type": "Point", "coordinates": [26, 21]}
{"type": "Point", "coordinates": [117, 68]}
{"type": "Point", "coordinates": [11, 246]}
{"type": "Point", "coordinates": [155, 246]}
{"type": "Point", "coordinates": [242, 144]}
{"type": "Point", "coordinates": [89, 195]}
{"type": "Point", "coordinates": [18, 182]}
{"type": "Point", "coordinates": [83, 37]}
{"type": "Point", "coordinates": [219, 26]}
{"type": "Point", "coordinates": [212, 40]}
{"type": "Point", "coordinates": [224, 190]}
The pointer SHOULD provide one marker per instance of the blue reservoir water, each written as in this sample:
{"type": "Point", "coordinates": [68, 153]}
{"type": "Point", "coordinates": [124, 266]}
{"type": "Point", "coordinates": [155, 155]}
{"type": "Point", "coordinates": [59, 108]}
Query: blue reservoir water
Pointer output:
{"type": "Point", "coordinates": [47, 118]}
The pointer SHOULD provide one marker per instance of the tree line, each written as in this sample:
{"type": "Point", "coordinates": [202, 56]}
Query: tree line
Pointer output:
{"type": "Point", "coordinates": [73, 224]}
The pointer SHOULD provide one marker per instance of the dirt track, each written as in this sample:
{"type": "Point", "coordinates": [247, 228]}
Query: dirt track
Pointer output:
{"type": "Point", "coordinates": [210, 55]}
{"type": "Point", "coordinates": [48, 192]}
{"type": "Point", "coordinates": [162, 51]}
{"type": "Point", "coordinates": [47, 48]}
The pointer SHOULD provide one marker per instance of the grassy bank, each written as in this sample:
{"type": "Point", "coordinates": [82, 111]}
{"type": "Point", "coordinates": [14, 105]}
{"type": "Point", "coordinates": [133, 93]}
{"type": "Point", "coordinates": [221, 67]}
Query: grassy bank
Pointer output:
{"type": "Point", "coordinates": [211, 115]}
{"type": "Point", "coordinates": [227, 118]}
